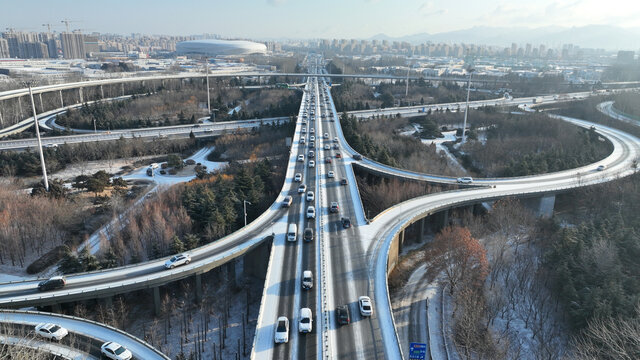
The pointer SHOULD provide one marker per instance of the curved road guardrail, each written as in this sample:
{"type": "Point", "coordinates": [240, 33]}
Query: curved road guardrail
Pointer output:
{"type": "Point", "coordinates": [91, 329]}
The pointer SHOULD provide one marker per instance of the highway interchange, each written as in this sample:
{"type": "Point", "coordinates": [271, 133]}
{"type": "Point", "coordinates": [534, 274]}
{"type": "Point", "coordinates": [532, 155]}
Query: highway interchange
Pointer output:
{"type": "Point", "coordinates": [346, 263]}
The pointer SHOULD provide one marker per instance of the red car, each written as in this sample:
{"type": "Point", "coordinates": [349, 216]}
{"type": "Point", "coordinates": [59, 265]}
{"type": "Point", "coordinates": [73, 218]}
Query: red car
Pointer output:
{"type": "Point", "coordinates": [338, 156]}
{"type": "Point", "coordinates": [327, 160]}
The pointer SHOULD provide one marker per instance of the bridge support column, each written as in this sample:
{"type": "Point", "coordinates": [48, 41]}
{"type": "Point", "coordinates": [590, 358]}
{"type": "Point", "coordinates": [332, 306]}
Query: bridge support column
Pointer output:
{"type": "Point", "coordinates": [108, 302]}
{"type": "Point", "coordinates": [542, 206]}
{"type": "Point", "coordinates": [56, 308]}
{"type": "Point", "coordinates": [234, 273]}
{"type": "Point", "coordinates": [122, 87]}
{"type": "Point", "coordinates": [61, 101]}
{"type": "Point", "coordinates": [20, 106]}
{"type": "Point", "coordinates": [156, 300]}
{"type": "Point", "coordinates": [1, 121]}
{"type": "Point", "coordinates": [102, 92]}
{"type": "Point", "coordinates": [256, 261]}
{"type": "Point", "coordinates": [401, 243]}
{"type": "Point", "coordinates": [421, 235]}
{"type": "Point", "coordinates": [80, 94]}
{"type": "Point", "coordinates": [41, 103]}
{"type": "Point", "coordinates": [547, 203]}
{"type": "Point", "coordinates": [198, 288]}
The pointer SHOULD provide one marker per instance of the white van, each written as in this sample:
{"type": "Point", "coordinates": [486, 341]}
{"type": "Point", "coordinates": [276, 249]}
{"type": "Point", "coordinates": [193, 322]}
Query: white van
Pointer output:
{"type": "Point", "coordinates": [292, 233]}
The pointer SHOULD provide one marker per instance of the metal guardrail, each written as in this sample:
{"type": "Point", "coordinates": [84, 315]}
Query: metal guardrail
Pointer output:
{"type": "Point", "coordinates": [95, 323]}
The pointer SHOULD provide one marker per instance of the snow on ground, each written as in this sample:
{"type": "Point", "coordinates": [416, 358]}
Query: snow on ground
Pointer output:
{"type": "Point", "coordinates": [90, 167]}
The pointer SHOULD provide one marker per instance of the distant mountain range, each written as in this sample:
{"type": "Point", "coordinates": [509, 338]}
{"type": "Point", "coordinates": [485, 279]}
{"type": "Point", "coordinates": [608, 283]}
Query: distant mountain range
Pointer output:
{"type": "Point", "coordinates": [590, 36]}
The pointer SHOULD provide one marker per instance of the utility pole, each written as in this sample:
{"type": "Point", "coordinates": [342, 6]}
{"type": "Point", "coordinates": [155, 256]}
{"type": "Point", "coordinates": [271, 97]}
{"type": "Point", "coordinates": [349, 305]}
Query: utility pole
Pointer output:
{"type": "Point", "coordinates": [466, 110]}
{"type": "Point", "coordinates": [35, 119]}
{"type": "Point", "coordinates": [244, 203]}
{"type": "Point", "coordinates": [208, 96]}
{"type": "Point", "coordinates": [406, 90]}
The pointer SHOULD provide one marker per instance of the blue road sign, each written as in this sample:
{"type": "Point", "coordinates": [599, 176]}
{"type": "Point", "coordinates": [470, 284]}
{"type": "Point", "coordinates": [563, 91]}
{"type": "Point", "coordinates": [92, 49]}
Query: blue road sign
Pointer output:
{"type": "Point", "coordinates": [417, 351]}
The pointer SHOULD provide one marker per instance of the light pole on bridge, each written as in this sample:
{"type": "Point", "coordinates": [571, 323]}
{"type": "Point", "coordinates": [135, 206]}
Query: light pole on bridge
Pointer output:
{"type": "Point", "coordinates": [244, 203]}
{"type": "Point", "coordinates": [466, 110]}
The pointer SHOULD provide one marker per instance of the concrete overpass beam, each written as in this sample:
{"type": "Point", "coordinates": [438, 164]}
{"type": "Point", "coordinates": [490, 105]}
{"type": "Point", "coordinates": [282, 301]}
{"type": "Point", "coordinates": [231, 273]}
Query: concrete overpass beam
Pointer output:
{"type": "Point", "coordinates": [198, 288]}
{"type": "Point", "coordinates": [156, 300]}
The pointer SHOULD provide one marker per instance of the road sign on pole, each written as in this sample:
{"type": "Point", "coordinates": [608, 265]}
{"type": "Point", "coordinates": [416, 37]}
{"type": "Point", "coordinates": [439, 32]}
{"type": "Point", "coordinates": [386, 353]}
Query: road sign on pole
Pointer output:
{"type": "Point", "coordinates": [417, 351]}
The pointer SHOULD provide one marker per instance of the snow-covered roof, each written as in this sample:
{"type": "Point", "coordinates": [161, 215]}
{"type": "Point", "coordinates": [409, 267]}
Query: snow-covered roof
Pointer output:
{"type": "Point", "coordinates": [212, 47]}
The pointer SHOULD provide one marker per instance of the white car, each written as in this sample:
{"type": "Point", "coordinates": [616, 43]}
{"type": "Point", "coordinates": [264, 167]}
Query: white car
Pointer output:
{"type": "Point", "coordinates": [366, 308]}
{"type": "Point", "coordinates": [331, 174]}
{"type": "Point", "coordinates": [302, 188]}
{"type": "Point", "coordinates": [115, 351]}
{"type": "Point", "coordinates": [297, 177]}
{"type": "Point", "coordinates": [51, 331]}
{"type": "Point", "coordinates": [304, 130]}
{"type": "Point", "coordinates": [302, 140]}
{"type": "Point", "coordinates": [326, 135]}
{"type": "Point", "coordinates": [282, 330]}
{"type": "Point", "coordinates": [464, 180]}
{"type": "Point", "coordinates": [306, 321]}
{"type": "Point", "coordinates": [327, 147]}
{"type": "Point", "coordinates": [312, 138]}
{"type": "Point", "coordinates": [600, 168]}
{"type": "Point", "coordinates": [335, 139]}
{"type": "Point", "coordinates": [177, 260]}
{"type": "Point", "coordinates": [312, 163]}
{"type": "Point", "coordinates": [310, 196]}
{"type": "Point", "coordinates": [307, 279]}
{"type": "Point", "coordinates": [311, 212]}
{"type": "Point", "coordinates": [301, 157]}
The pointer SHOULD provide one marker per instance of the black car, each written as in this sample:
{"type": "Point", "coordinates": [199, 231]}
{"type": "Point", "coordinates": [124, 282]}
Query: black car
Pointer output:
{"type": "Point", "coordinates": [346, 223]}
{"type": "Point", "coordinates": [342, 312]}
{"type": "Point", "coordinates": [344, 181]}
{"type": "Point", "coordinates": [55, 282]}
{"type": "Point", "coordinates": [308, 234]}
{"type": "Point", "coordinates": [357, 157]}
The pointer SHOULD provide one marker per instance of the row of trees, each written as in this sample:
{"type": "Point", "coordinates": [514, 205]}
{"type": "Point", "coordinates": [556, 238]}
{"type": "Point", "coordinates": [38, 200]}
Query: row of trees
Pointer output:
{"type": "Point", "coordinates": [628, 104]}
{"type": "Point", "coordinates": [27, 163]}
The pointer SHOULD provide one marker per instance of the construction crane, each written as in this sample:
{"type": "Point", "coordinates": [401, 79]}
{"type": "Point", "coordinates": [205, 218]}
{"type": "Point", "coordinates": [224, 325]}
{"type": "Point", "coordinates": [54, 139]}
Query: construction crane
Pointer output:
{"type": "Point", "coordinates": [48, 27]}
{"type": "Point", "coordinates": [67, 22]}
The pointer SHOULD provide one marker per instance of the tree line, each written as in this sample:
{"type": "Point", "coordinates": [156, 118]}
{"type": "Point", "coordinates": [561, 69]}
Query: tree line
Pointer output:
{"type": "Point", "coordinates": [27, 163]}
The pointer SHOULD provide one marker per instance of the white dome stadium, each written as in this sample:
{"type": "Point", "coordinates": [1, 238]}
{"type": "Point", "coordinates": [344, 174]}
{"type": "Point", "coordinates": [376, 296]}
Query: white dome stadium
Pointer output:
{"type": "Point", "coordinates": [219, 47]}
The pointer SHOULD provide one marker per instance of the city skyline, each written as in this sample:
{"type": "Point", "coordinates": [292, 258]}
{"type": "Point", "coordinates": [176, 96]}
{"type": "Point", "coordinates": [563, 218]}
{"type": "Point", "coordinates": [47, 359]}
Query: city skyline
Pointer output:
{"type": "Point", "coordinates": [274, 19]}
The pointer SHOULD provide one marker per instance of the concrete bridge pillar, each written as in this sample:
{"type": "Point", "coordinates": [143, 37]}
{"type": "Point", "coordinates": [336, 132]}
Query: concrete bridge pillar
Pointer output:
{"type": "Point", "coordinates": [41, 103]}
{"type": "Point", "coordinates": [122, 87]}
{"type": "Point", "coordinates": [542, 206]}
{"type": "Point", "coordinates": [80, 94]}
{"type": "Point", "coordinates": [234, 273]}
{"type": "Point", "coordinates": [256, 261]}
{"type": "Point", "coordinates": [20, 106]}
{"type": "Point", "coordinates": [156, 300]}
{"type": "Point", "coordinates": [198, 288]}
{"type": "Point", "coordinates": [421, 235]}
{"type": "Point", "coordinates": [61, 100]}
{"type": "Point", "coordinates": [102, 92]}
{"type": "Point", "coordinates": [108, 302]}
{"type": "Point", "coordinates": [1, 121]}
{"type": "Point", "coordinates": [547, 203]}
{"type": "Point", "coordinates": [56, 308]}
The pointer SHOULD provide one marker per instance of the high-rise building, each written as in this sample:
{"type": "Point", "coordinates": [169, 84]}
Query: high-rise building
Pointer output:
{"type": "Point", "coordinates": [626, 57]}
{"type": "Point", "coordinates": [73, 45]}
{"type": "Point", "coordinates": [4, 48]}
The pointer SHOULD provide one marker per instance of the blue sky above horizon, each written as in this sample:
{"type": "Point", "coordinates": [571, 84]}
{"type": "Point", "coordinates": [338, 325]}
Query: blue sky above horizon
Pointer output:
{"type": "Point", "coordinates": [311, 19]}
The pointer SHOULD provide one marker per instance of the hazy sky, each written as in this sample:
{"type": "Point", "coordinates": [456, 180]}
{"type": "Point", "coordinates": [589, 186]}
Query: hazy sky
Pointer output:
{"type": "Point", "coordinates": [310, 18]}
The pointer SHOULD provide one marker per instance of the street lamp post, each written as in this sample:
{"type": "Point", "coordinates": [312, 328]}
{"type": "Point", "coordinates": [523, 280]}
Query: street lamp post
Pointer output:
{"type": "Point", "coordinates": [208, 95]}
{"type": "Point", "coordinates": [244, 203]}
{"type": "Point", "coordinates": [466, 110]}
{"type": "Point", "coordinates": [35, 119]}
